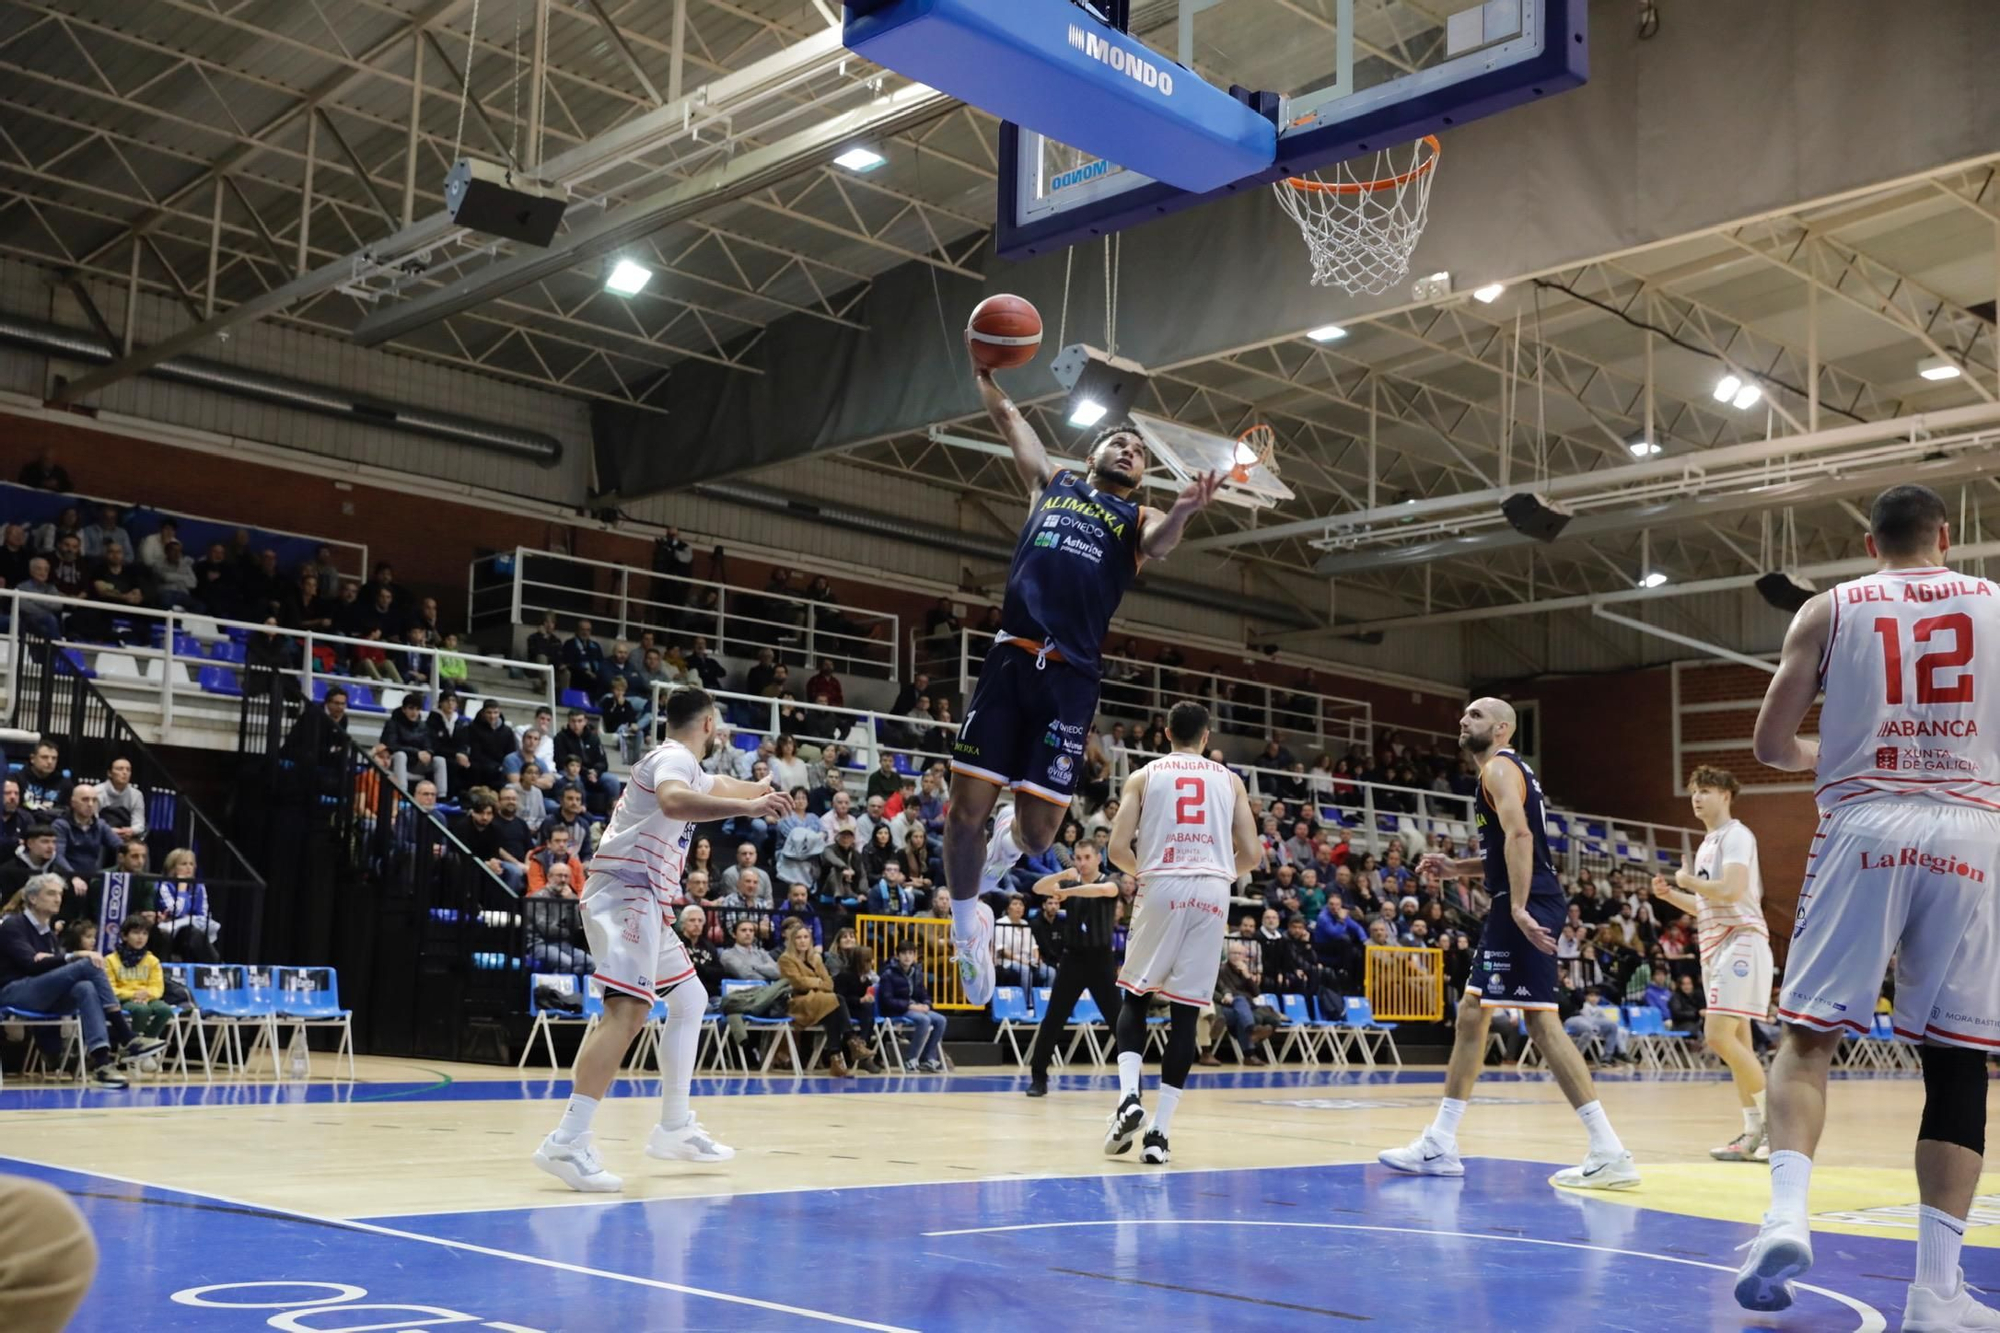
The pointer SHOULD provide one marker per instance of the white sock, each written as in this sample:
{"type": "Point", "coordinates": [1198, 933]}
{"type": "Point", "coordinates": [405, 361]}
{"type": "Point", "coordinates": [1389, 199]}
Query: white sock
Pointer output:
{"type": "Point", "coordinates": [1757, 1098]}
{"type": "Point", "coordinates": [1129, 1064]}
{"type": "Point", "coordinates": [1752, 1120]}
{"type": "Point", "coordinates": [576, 1117]}
{"type": "Point", "coordinates": [1602, 1137]}
{"type": "Point", "coordinates": [964, 918]}
{"type": "Point", "coordinates": [1791, 1177]}
{"type": "Point", "coordinates": [685, 1004]}
{"type": "Point", "coordinates": [1170, 1098]}
{"type": "Point", "coordinates": [1444, 1129]}
{"type": "Point", "coordinates": [1939, 1237]}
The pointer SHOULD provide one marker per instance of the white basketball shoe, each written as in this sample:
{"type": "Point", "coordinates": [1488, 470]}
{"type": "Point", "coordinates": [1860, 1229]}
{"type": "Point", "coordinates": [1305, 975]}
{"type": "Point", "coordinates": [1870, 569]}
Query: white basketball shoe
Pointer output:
{"type": "Point", "coordinates": [1600, 1171]}
{"type": "Point", "coordinates": [975, 958]}
{"type": "Point", "coordinates": [689, 1143]}
{"type": "Point", "coordinates": [577, 1165]}
{"type": "Point", "coordinates": [1781, 1251]}
{"type": "Point", "coordinates": [1927, 1312]}
{"type": "Point", "coordinates": [1423, 1156]}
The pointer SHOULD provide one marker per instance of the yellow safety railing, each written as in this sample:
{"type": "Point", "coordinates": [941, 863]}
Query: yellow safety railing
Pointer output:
{"type": "Point", "coordinates": [932, 936]}
{"type": "Point", "coordinates": [1405, 985]}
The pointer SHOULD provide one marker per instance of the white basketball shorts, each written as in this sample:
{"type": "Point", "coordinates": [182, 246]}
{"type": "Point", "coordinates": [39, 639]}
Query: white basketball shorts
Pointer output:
{"type": "Point", "coordinates": [1910, 878]}
{"type": "Point", "coordinates": [632, 937]}
{"type": "Point", "coordinates": [1737, 976]}
{"type": "Point", "coordinates": [1175, 944]}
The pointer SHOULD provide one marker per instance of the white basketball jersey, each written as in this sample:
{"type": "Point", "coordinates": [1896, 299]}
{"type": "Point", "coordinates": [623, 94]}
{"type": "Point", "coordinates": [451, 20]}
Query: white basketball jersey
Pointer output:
{"type": "Point", "coordinates": [1187, 819]}
{"type": "Point", "coordinates": [1732, 844]}
{"type": "Point", "coordinates": [1905, 712]}
{"type": "Point", "coordinates": [641, 844]}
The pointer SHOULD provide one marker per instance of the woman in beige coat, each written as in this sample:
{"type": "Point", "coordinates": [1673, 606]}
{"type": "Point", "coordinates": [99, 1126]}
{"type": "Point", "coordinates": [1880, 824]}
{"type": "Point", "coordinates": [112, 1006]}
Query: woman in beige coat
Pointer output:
{"type": "Point", "coordinates": [814, 1002]}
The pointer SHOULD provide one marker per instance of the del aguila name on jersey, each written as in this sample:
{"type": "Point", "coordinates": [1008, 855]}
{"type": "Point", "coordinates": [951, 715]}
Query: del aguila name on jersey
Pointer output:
{"type": "Point", "coordinates": [1916, 592]}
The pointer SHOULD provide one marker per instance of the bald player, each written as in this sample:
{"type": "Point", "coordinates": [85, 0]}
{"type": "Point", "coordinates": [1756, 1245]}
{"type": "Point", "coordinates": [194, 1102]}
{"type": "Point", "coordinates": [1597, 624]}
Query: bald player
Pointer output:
{"type": "Point", "coordinates": [1516, 966]}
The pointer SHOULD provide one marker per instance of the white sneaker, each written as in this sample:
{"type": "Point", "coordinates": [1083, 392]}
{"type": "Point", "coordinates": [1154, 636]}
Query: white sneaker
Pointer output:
{"type": "Point", "coordinates": [577, 1165]}
{"type": "Point", "coordinates": [975, 959]}
{"type": "Point", "coordinates": [1927, 1312]}
{"type": "Point", "coordinates": [998, 863]}
{"type": "Point", "coordinates": [1781, 1251]}
{"type": "Point", "coordinates": [1600, 1171]}
{"type": "Point", "coordinates": [1423, 1156]}
{"type": "Point", "coordinates": [689, 1143]}
{"type": "Point", "coordinates": [1123, 1126]}
{"type": "Point", "coordinates": [1742, 1148]}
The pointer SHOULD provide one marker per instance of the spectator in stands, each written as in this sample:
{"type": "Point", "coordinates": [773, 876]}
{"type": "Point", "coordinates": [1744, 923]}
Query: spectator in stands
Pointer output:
{"type": "Point", "coordinates": [879, 852]}
{"type": "Point", "coordinates": [41, 618]}
{"type": "Point", "coordinates": [705, 666]}
{"type": "Point", "coordinates": [1237, 987]}
{"type": "Point", "coordinates": [1017, 958]}
{"type": "Point", "coordinates": [894, 895]}
{"type": "Point", "coordinates": [121, 805]}
{"type": "Point", "coordinates": [673, 559]}
{"type": "Point", "coordinates": [545, 748]}
{"type": "Point", "coordinates": [786, 766]}
{"type": "Point", "coordinates": [261, 583]}
{"type": "Point", "coordinates": [901, 992]}
{"type": "Point", "coordinates": [840, 813]}
{"type": "Point", "coordinates": [426, 620]}
{"type": "Point", "coordinates": [797, 906]}
{"type": "Point", "coordinates": [1339, 942]}
{"type": "Point", "coordinates": [745, 879]}
{"type": "Point", "coordinates": [570, 814]}
{"type": "Point", "coordinates": [477, 831]}
{"type": "Point", "coordinates": [174, 579]}
{"type": "Point", "coordinates": [324, 568]}
{"type": "Point", "coordinates": [43, 473]}
{"type": "Point", "coordinates": [693, 924]}
{"type": "Point", "coordinates": [1396, 877]}
{"type": "Point", "coordinates": [452, 668]}
{"type": "Point", "coordinates": [106, 533]}
{"type": "Point", "coordinates": [745, 959]}
{"type": "Point", "coordinates": [215, 582]}
{"type": "Point", "coordinates": [885, 782]}
{"type": "Point", "coordinates": [654, 671]}
{"type": "Point", "coordinates": [14, 821]}
{"type": "Point", "coordinates": [1684, 1005]}
{"type": "Point", "coordinates": [554, 923]}
{"type": "Point", "coordinates": [516, 837]}
{"type": "Point", "coordinates": [375, 623]}
{"type": "Point", "coordinates": [842, 878]}
{"type": "Point", "coordinates": [814, 1003]}
{"type": "Point", "coordinates": [583, 657]}
{"type": "Point", "coordinates": [67, 523]}
{"type": "Point", "coordinates": [37, 856]}
{"type": "Point", "coordinates": [450, 734]}
{"type": "Point", "coordinates": [181, 902]}
{"type": "Point", "coordinates": [44, 786]}
{"type": "Point", "coordinates": [1598, 1020]}
{"type": "Point", "coordinates": [922, 860]}
{"type": "Point", "coordinates": [15, 552]}
{"type": "Point", "coordinates": [579, 740]}
{"type": "Point", "coordinates": [38, 975]}
{"type": "Point", "coordinates": [527, 756]}
{"type": "Point", "coordinates": [874, 813]}
{"type": "Point", "coordinates": [84, 842]}
{"type": "Point", "coordinates": [825, 682]}
{"type": "Point", "coordinates": [545, 646]}
{"type": "Point", "coordinates": [408, 740]}
{"type": "Point", "coordinates": [137, 978]}
{"type": "Point", "coordinates": [301, 607]}
{"type": "Point", "coordinates": [622, 719]}
{"type": "Point", "coordinates": [489, 744]}
{"type": "Point", "coordinates": [557, 850]}
{"type": "Point", "coordinates": [384, 579]}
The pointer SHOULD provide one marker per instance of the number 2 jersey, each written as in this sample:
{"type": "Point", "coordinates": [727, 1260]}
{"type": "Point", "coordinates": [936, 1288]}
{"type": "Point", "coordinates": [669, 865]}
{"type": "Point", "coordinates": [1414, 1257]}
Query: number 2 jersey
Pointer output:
{"type": "Point", "coordinates": [1187, 820]}
{"type": "Point", "coordinates": [1905, 713]}
{"type": "Point", "coordinates": [642, 844]}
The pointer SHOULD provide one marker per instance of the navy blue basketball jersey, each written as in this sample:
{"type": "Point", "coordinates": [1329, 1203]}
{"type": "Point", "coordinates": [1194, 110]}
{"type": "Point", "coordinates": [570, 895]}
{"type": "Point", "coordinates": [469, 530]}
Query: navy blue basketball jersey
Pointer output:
{"type": "Point", "coordinates": [1076, 557]}
{"type": "Point", "coordinates": [1493, 839]}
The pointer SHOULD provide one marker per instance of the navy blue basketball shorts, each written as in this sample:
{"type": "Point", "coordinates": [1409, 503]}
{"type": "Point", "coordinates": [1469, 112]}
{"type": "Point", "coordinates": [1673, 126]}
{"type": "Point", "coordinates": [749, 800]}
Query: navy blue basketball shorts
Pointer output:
{"type": "Point", "coordinates": [1509, 972]}
{"type": "Point", "coordinates": [1025, 729]}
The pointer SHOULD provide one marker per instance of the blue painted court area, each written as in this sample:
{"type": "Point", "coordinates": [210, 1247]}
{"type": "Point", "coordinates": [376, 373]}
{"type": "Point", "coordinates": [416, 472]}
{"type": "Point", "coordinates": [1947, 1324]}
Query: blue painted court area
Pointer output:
{"type": "Point", "coordinates": [1236, 1250]}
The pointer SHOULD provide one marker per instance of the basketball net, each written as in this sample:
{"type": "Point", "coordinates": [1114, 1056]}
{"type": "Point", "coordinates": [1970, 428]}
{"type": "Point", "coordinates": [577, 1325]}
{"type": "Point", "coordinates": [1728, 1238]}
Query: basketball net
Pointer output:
{"type": "Point", "coordinates": [1361, 227]}
{"type": "Point", "coordinates": [1255, 448]}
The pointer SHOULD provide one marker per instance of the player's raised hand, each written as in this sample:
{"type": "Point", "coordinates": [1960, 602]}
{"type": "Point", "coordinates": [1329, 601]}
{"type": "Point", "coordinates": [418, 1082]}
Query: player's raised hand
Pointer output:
{"type": "Point", "coordinates": [1200, 491]}
{"type": "Point", "coordinates": [1436, 863]}
{"type": "Point", "coordinates": [1538, 934]}
{"type": "Point", "coordinates": [771, 805]}
{"type": "Point", "coordinates": [1659, 885]}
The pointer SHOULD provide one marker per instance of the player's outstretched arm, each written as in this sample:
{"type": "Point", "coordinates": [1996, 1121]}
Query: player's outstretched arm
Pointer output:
{"type": "Point", "coordinates": [1160, 533]}
{"type": "Point", "coordinates": [1031, 457]}
{"type": "Point", "coordinates": [1249, 844]}
{"type": "Point", "coordinates": [1792, 691]}
{"type": "Point", "coordinates": [741, 790]}
{"type": "Point", "coordinates": [1663, 889]}
{"type": "Point", "coordinates": [1123, 848]}
{"type": "Point", "coordinates": [680, 801]}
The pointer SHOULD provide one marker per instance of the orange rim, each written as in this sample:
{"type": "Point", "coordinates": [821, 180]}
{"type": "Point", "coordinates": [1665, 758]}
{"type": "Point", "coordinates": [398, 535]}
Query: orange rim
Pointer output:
{"type": "Point", "coordinates": [1370, 187]}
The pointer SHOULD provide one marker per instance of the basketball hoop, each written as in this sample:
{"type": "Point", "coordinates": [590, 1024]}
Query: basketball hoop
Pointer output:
{"type": "Point", "coordinates": [1362, 228]}
{"type": "Point", "coordinates": [1256, 447]}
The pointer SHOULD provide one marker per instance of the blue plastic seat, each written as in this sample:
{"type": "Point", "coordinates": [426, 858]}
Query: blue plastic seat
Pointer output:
{"type": "Point", "coordinates": [219, 680]}
{"type": "Point", "coordinates": [576, 699]}
{"type": "Point", "coordinates": [227, 651]}
{"type": "Point", "coordinates": [1011, 1013]}
{"type": "Point", "coordinates": [309, 997]}
{"type": "Point", "coordinates": [774, 1028]}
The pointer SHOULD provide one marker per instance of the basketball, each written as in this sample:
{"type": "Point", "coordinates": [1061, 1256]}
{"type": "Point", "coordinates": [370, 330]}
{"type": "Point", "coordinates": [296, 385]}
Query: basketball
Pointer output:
{"type": "Point", "coordinates": [1005, 331]}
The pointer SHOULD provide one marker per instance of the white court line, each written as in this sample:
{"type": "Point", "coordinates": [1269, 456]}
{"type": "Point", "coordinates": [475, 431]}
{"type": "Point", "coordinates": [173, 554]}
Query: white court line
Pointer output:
{"type": "Point", "coordinates": [469, 1247]}
{"type": "Point", "coordinates": [1871, 1318]}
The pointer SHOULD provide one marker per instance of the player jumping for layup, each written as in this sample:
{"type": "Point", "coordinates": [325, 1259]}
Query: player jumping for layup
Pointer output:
{"type": "Point", "coordinates": [1724, 892]}
{"type": "Point", "coordinates": [1516, 967]}
{"type": "Point", "coordinates": [1037, 694]}
{"type": "Point", "coordinates": [1904, 865]}
{"type": "Point", "coordinates": [1185, 829]}
{"type": "Point", "coordinates": [628, 917]}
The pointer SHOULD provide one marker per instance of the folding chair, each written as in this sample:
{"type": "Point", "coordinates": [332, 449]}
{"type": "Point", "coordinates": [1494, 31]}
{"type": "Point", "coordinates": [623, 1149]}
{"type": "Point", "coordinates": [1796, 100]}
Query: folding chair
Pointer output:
{"type": "Point", "coordinates": [221, 998]}
{"type": "Point", "coordinates": [1281, 1039]}
{"type": "Point", "coordinates": [889, 1037]}
{"type": "Point", "coordinates": [1087, 1021]}
{"type": "Point", "coordinates": [68, 1031]}
{"type": "Point", "coordinates": [771, 1028]}
{"type": "Point", "coordinates": [1010, 1012]}
{"type": "Point", "coordinates": [309, 997]}
{"type": "Point", "coordinates": [1301, 1033]}
{"type": "Point", "coordinates": [1658, 1047]}
{"type": "Point", "coordinates": [1370, 1037]}
{"type": "Point", "coordinates": [547, 1020]}
{"type": "Point", "coordinates": [260, 994]}
{"type": "Point", "coordinates": [185, 1020]}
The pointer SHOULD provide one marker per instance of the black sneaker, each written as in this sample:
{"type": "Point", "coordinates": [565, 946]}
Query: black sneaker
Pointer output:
{"type": "Point", "coordinates": [1038, 1085]}
{"type": "Point", "coordinates": [104, 1074]}
{"type": "Point", "coordinates": [1124, 1126]}
{"type": "Point", "coordinates": [1155, 1153]}
{"type": "Point", "coordinates": [139, 1048]}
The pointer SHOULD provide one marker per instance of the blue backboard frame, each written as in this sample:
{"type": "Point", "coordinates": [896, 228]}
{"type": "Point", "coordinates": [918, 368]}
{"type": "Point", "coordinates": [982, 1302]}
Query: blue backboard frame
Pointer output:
{"type": "Point", "coordinates": [1561, 63]}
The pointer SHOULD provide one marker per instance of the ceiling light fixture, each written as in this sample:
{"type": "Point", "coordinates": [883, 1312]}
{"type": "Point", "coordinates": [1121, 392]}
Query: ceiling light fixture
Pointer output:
{"type": "Point", "coordinates": [1488, 294]}
{"type": "Point", "coordinates": [1653, 580]}
{"type": "Point", "coordinates": [859, 159]}
{"type": "Point", "coordinates": [1642, 447]}
{"type": "Point", "coordinates": [1937, 368]}
{"type": "Point", "coordinates": [627, 278]}
{"type": "Point", "coordinates": [1327, 333]}
{"type": "Point", "coordinates": [1746, 396]}
{"type": "Point", "coordinates": [1726, 388]}
{"type": "Point", "coordinates": [1087, 412]}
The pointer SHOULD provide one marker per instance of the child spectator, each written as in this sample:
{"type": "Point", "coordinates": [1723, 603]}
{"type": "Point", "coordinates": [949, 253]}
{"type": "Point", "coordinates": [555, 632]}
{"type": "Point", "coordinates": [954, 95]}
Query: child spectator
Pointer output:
{"type": "Point", "coordinates": [452, 669]}
{"type": "Point", "coordinates": [138, 980]}
{"type": "Point", "coordinates": [901, 992]}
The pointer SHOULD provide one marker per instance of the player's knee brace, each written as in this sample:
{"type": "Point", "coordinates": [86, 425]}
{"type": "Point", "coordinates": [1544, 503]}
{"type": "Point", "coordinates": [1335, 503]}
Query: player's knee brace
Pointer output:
{"type": "Point", "coordinates": [1954, 1096]}
{"type": "Point", "coordinates": [1179, 1059]}
{"type": "Point", "coordinates": [1131, 1029]}
{"type": "Point", "coordinates": [687, 1002]}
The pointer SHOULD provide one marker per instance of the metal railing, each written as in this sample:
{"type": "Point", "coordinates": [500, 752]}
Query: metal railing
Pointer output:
{"type": "Point", "coordinates": [1404, 985]}
{"type": "Point", "coordinates": [862, 732]}
{"type": "Point", "coordinates": [519, 587]}
{"type": "Point", "coordinates": [181, 655]}
{"type": "Point", "coordinates": [1134, 691]}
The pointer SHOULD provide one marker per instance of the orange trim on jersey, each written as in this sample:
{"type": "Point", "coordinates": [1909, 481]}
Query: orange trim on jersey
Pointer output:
{"type": "Point", "coordinates": [1504, 1003]}
{"type": "Point", "coordinates": [1823, 1024]}
{"type": "Point", "coordinates": [1036, 648]}
{"type": "Point", "coordinates": [1062, 802]}
{"type": "Point", "coordinates": [960, 769]}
